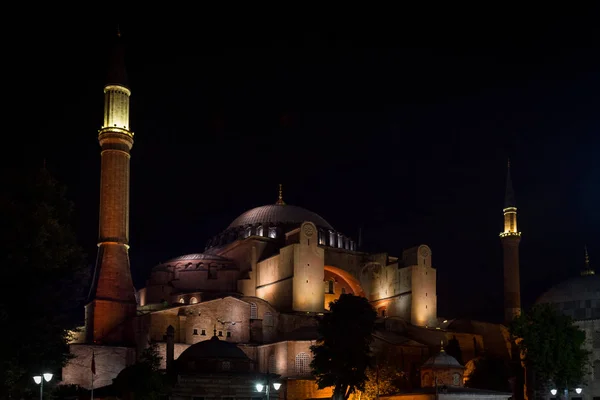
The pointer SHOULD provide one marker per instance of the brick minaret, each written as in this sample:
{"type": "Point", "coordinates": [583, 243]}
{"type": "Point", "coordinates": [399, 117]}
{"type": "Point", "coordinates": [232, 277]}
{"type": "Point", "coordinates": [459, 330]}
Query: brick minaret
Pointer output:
{"type": "Point", "coordinates": [510, 243]}
{"type": "Point", "coordinates": [112, 301]}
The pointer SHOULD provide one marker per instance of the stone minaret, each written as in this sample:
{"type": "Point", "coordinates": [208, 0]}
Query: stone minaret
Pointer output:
{"type": "Point", "coordinates": [112, 302]}
{"type": "Point", "coordinates": [510, 243]}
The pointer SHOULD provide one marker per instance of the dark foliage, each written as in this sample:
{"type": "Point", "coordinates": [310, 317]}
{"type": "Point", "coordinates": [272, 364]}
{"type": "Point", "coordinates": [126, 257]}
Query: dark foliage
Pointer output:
{"type": "Point", "coordinates": [343, 352]}
{"type": "Point", "coordinates": [43, 274]}
{"type": "Point", "coordinates": [552, 347]}
{"type": "Point", "coordinates": [142, 380]}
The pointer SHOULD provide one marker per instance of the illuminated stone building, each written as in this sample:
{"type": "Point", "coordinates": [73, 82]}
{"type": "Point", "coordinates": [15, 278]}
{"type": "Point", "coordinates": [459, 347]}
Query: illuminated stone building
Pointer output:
{"type": "Point", "coordinates": [260, 283]}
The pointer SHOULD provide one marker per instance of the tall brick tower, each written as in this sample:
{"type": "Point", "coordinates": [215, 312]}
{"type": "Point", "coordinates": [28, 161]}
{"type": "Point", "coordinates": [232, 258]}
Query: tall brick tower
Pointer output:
{"type": "Point", "coordinates": [112, 301]}
{"type": "Point", "coordinates": [510, 243]}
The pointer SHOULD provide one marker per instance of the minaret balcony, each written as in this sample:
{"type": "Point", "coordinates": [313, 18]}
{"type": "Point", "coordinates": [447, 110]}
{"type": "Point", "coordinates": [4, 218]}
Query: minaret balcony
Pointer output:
{"type": "Point", "coordinates": [114, 129]}
{"type": "Point", "coordinates": [506, 234]}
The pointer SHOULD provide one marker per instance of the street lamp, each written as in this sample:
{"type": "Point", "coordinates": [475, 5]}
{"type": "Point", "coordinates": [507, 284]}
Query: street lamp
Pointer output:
{"type": "Point", "coordinates": [38, 380]}
{"type": "Point", "coordinates": [260, 386]}
{"type": "Point", "coordinates": [578, 390]}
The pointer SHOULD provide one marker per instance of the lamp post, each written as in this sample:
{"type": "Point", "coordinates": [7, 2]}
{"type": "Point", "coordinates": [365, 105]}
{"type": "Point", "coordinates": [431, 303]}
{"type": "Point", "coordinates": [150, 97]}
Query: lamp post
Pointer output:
{"type": "Point", "coordinates": [578, 390]}
{"type": "Point", "coordinates": [40, 381]}
{"type": "Point", "coordinates": [260, 386]}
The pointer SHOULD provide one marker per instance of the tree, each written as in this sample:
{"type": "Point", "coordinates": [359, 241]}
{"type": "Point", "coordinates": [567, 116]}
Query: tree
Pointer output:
{"type": "Point", "coordinates": [342, 353]}
{"type": "Point", "coordinates": [551, 346]}
{"type": "Point", "coordinates": [142, 380]}
{"type": "Point", "coordinates": [385, 379]}
{"type": "Point", "coordinates": [44, 272]}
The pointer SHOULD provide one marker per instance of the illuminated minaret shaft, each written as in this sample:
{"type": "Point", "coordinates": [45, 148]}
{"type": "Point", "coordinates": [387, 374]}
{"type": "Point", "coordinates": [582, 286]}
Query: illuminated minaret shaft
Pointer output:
{"type": "Point", "coordinates": [511, 238]}
{"type": "Point", "coordinates": [112, 297]}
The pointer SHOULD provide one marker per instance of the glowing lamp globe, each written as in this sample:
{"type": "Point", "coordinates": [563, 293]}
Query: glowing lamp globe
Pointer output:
{"type": "Point", "coordinates": [47, 377]}
{"type": "Point", "coordinates": [37, 379]}
{"type": "Point", "coordinates": [259, 387]}
{"type": "Point", "coordinates": [277, 386]}
{"type": "Point", "coordinates": [553, 392]}
{"type": "Point", "coordinates": [578, 390]}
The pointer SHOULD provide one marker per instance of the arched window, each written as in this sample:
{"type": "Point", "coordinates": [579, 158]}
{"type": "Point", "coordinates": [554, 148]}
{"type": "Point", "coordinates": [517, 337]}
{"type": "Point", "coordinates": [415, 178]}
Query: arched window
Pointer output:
{"type": "Point", "coordinates": [253, 311]}
{"type": "Point", "coordinates": [302, 364]}
{"type": "Point", "coordinates": [456, 379]}
{"type": "Point", "coordinates": [247, 232]}
{"type": "Point", "coordinates": [181, 300]}
{"type": "Point", "coordinates": [426, 380]}
{"type": "Point", "coordinates": [226, 365]}
{"type": "Point", "coordinates": [193, 300]}
{"type": "Point", "coordinates": [259, 230]}
{"type": "Point", "coordinates": [321, 237]}
{"type": "Point", "coordinates": [272, 364]}
{"type": "Point", "coordinates": [272, 232]}
{"type": "Point", "coordinates": [268, 319]}
{"type": "Point", "coordinates": [330, 285]}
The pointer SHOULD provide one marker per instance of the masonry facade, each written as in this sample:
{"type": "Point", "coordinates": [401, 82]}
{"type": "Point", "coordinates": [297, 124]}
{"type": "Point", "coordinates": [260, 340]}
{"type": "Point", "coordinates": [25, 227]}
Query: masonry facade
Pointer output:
{"type": "Point", "coordinates": [261, 283]}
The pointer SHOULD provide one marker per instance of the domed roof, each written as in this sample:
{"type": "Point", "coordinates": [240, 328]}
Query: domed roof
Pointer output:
{"type": "Point", "coordinates": [441, 360]}
{"type": "Point", "coordinates": [280, 213]}
{"type": "Point", "coordinates": [212, 349]}
{"type": "Point", "coordinates": [577, 297]}
{"type": "Point", "coordinates": [197, 256]}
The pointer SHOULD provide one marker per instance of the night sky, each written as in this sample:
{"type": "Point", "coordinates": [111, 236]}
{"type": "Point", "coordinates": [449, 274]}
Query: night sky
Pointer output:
{"type": "Point", "coordinates": [401, 128]}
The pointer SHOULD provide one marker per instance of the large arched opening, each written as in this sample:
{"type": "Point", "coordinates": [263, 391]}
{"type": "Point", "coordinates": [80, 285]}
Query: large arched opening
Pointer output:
{"type": "Point", "coordinates": [338, 282]}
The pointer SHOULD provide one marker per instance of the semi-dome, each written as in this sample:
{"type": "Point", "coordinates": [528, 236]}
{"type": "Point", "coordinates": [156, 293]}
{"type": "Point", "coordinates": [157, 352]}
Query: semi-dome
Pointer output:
{"type": "Point", "coordinates": [212, 349]}
{"type": "Point", "coordinates": [275, 214]}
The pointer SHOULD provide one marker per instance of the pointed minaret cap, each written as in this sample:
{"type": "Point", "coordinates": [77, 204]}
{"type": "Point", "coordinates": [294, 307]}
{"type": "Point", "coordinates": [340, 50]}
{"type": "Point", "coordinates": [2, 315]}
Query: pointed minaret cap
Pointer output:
{"type": "Point", "coordinates": [587, 270]}
{"type": "Point", "coordinates": [280, 201]}
{"type": "Point", "coordinates": [509, 197]}
{"type": "Point", "coordinates": [117, 74]}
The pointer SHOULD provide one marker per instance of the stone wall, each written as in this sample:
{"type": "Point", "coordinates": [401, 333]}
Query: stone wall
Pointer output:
{"type": "Point", "coordinates": [109, 362]}
{"type": "Point", "coordinates": [302, 389]}
{"type": "Point", "coordinates": [308, 293]}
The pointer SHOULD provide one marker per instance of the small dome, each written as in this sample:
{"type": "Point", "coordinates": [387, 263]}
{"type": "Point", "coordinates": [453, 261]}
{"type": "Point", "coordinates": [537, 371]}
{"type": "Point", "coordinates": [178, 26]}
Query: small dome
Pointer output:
{"type": "Point", "coordinates": [212, 349]}
{"type": "Point", "coordinates": [275, 214]}
{"type": "Point", "coordinates": [442, 360]}
{"type": "Point", "coordinates": [197, 256]}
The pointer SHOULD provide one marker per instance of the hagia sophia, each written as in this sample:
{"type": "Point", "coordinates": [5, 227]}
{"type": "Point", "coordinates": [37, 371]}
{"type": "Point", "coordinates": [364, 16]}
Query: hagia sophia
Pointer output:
{"type": "Point", "coordinates": [249, 303]}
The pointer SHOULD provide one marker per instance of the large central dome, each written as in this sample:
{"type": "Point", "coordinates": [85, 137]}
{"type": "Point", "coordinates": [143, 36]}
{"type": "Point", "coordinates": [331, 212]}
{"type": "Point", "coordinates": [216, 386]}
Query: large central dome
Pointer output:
{"type": "Point", "coordinates": [276, 214]}
{"type": "Point", "coordinates": [273, 221]}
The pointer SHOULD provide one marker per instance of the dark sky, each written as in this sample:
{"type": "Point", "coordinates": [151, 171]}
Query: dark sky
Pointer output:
{"type": "Point", "coordinates": [400, 127]}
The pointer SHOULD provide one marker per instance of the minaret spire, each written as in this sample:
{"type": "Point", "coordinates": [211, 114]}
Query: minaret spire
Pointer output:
{"type": "Point", "coordinates": [280, 201]}
{"type": "Point", "coordinates": [509, 197]}
{"type": "Point", "coordinates": [511, 237]}
{"type": "Point", "coordinates": [588, 270]}
{"type": "Point", "coordinates": [112, 303]}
